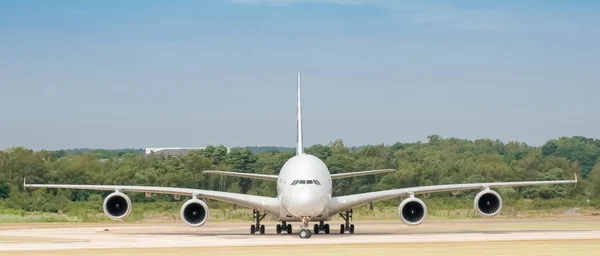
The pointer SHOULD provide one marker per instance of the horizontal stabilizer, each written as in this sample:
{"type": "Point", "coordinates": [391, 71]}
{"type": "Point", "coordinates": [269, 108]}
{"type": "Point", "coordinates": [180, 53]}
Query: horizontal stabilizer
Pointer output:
{"type": "Point", "coordinates": [244, 175]}
{"type": "Point", "coordinates": [363, 173]}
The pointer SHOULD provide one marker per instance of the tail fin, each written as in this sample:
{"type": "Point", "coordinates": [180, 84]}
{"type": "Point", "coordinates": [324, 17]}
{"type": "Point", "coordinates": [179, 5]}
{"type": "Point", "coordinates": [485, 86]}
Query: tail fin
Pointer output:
{"type": "Point", "coordinates": [299, 146]}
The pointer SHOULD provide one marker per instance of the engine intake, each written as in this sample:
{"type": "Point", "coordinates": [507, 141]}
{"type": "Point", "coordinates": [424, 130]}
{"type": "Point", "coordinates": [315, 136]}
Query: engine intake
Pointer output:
{"type": "Point", "coordinates": [117, 206]}
{"type": "Point", "coordinates": [488, 203]}
{"type": "Point", "coordinates": [412, 211]}
{"type": "Point", "coordinates": [194, 212]}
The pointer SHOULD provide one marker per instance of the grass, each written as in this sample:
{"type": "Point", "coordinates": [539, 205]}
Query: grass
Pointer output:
{"type": "Point", "coordinates": [362, 213]}
{"type": "Point", "coordinates": [546, 248]}
{"type": "Point", "coordinates": [38, 217]}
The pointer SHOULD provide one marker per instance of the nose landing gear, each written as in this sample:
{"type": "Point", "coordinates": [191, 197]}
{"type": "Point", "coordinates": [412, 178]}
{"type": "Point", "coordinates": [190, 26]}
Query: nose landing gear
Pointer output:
{"type": "Point", "coordinates": [305, 232]}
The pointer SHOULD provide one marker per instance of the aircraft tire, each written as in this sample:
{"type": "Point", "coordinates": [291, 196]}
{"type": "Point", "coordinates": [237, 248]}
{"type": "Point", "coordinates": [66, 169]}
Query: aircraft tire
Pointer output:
{"type": "Point", "coordinates": [305, 234]}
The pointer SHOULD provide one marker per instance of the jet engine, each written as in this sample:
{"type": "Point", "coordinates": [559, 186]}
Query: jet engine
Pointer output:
{"type": "Point", "coordinates": [117, 206]}
{"type": "Point", "coordinates": [412, 211]}
{"type": "Point", "coordinates": [488, 203]}
{"type": "Point", "coordinates": [194, 212]}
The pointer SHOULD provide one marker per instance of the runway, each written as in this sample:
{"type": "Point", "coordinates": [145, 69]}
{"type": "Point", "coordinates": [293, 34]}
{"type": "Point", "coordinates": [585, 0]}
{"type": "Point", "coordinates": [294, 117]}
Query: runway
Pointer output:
{"type": "Point", "coordinates": [175, 234]}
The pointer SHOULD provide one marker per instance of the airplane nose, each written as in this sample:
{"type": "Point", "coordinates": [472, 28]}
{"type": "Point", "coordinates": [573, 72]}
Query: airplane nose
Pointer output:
{"type": "Point", "coordinates": [306, 202]}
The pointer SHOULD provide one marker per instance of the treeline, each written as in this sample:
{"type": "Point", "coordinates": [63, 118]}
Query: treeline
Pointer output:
{"type": "Point", "coordinates": [436, 161]}
{"type": "Point", "coordinates": [100, 153]}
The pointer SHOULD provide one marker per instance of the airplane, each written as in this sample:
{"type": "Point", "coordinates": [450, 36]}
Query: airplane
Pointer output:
{"type": "Point", "coordinates": [304, 194]}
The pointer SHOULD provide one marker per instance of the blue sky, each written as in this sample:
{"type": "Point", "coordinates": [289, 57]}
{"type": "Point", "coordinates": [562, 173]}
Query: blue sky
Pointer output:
{"type": "Point", "coordinates": [113, 74]}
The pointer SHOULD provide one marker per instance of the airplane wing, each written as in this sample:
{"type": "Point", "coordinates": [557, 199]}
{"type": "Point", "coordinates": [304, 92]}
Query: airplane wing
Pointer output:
{"type": "Point", "coordinates": [341, 203]}
{"type": "Point", "coordinates": [267, 204]}
{"type": "Point", "coordinates": [244, 175]}
{"type": "Point", "coordinates": [362, 173]}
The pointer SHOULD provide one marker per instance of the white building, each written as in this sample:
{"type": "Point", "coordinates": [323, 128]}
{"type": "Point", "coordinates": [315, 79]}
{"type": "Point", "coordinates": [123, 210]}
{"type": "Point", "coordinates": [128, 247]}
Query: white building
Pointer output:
{"type": "Point", "coordinates": [173, 151]}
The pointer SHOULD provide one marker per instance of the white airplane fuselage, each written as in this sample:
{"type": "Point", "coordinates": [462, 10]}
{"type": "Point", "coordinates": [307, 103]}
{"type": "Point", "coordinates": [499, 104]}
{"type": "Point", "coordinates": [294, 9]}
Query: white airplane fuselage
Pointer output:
{"type": "Point", "coordinates": [304, 188]}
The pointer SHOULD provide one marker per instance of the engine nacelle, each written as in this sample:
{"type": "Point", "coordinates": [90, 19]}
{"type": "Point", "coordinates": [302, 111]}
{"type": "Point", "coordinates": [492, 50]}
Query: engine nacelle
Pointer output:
{"type": "Point", "coordinates": [412, 211]}
{"type": "Point", "coordinates": [117, 206]}
{"type": "Point", "coordinates": [194, 212]}
{"type": "Point", "coordinates": [488, 203]}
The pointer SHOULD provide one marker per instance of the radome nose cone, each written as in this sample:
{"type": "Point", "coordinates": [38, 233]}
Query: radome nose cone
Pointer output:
{"type": "Point", "coordinates": [306, 203]}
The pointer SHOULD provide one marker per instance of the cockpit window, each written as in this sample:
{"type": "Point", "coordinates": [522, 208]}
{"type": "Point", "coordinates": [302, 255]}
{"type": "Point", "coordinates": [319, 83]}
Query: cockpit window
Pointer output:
{"type": "Point", "coordinates": [295, 182]}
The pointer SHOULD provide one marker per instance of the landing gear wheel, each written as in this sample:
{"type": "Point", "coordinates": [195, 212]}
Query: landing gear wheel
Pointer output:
{"type": "Point", "coordinates": [257, 217]}
{"type": "Point", "coordinates": [304, 230]}
{"type": "Point", "coordinates": [347, 226]}
{"type": "Point", "coordinates": [321, 228]}
{"type": "Point", "coordinates": [283, 227]}
{"type": "Point", "coordinates": [305, 233]}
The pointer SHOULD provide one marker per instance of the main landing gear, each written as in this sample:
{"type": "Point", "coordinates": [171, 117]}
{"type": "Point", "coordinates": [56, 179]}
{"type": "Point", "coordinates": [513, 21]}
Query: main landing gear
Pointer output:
{"type": "Point", "coordinates": [284, 227]}
{"type": "Point", "coordinates": [347, 227]}
{"type": "Point", "coordinates": [321, 227]}
{"type": "Point", "coordinates": [305, 232]}
{"type": "Point", "coordinates": [257, 217]}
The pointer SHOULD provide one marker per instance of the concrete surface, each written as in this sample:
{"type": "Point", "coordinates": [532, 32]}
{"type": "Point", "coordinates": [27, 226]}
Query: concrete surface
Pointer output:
{"type": "Point", "coordinates": [66, 236]}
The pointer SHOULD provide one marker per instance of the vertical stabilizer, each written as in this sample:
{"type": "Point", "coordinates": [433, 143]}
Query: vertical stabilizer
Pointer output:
{"type": "Point", "coordinates": [299, 146]}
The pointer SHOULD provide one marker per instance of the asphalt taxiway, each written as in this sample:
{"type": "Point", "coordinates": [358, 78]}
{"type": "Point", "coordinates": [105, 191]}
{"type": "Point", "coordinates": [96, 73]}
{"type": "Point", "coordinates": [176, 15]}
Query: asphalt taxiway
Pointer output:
{"type": "Point", "coordinates": [68, 236]}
